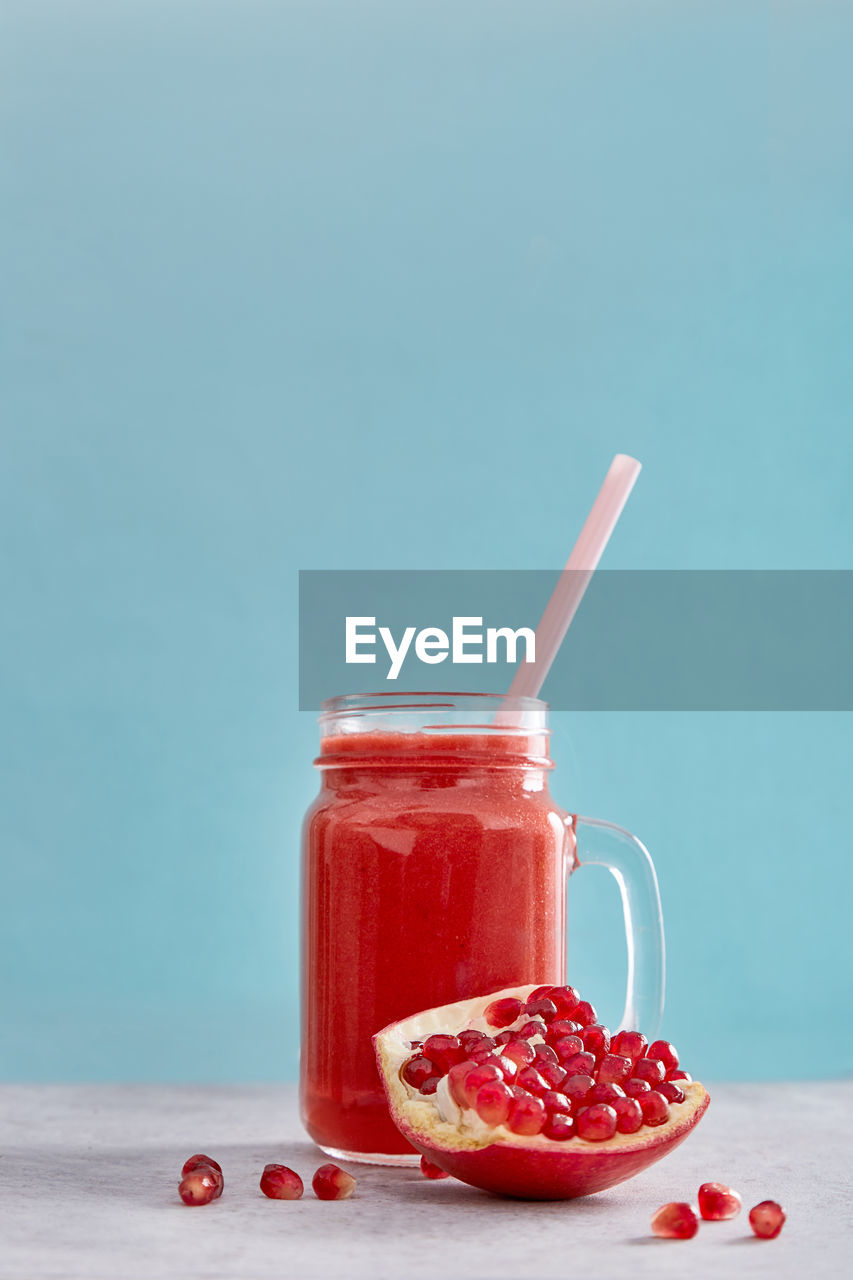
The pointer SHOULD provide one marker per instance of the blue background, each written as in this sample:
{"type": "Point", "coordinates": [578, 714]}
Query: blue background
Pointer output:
{"type": "Point", "coordinates": [307, 285]}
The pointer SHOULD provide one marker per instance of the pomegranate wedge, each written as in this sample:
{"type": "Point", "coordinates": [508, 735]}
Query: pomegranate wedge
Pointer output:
{"type": "Point", "coordinates": [549, 1129]}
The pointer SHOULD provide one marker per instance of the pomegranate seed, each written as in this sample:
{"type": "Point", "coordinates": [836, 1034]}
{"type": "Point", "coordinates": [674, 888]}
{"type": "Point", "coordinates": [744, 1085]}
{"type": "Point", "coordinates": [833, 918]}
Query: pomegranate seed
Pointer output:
{"type": "Point", "coordinates": [576, 1088]}
{"type": "Point", "coordinates": [443, 1051]}
{"type": "Point", "coordinates": [472, 1039]}
{"type": "Point", "coordinates": [542, 1008]}
{"type": "Point", "coordinates": [629, 1044]}
{"type": "Point", "coordinates": [539, 992]}
{"type": "Point", "coordinates": [480, 1055]}
{"type": "Point", "coordinates": [596, 1039]}
{"type": "Point", "coordinates": [456, 1078]}
{"type": "Point", "coordinates": [476, 1078]}
{"type": "Point", "coordinates": [565, 998]}
{"type": "Point", "coordinates": [604, 1093]}
{"type": "Point", "coordinates": [585, 1014]}
{"type": "Point", "coordinates": [649, 1069]}
{"type": "Point", "coordinates": [559, 1127]}
{"type": "Point", "coordinates": [655, 1107]}
{"type": "Point", "coordinates": [508, 1067]}
{"type": "Point", "coordinates": [527, 1116]}
{"type": "Point", "coordinates": [552, 1073]}
{"type": "Point", "coordinates": [663, 1052]}
{"type": "Point", "coordinates": [493, 1102]}
{"type": "Point", "coordinates": [430, 1170]}
{"type": "Point", "coordinates": [535, 1027]}
{"type": "Point", "coordinates": [430, 1085]}
{"type": "Point", "coordinates": [555, 1101]}
{"type": "Point", "coordinates": [596, 1123]}
{"type": "Point", "coordinates": [718, 1203]}
{"type": "Point", "coordinates": [580, 1064]}
{"type": "Point", "coordinates": [684, 1077]}
{"type": "Point", "coordinates": [614, 1069]}
{"type": "Point", "coordinates": [332, 1183]}
{"type": "Point", "coordinates": [530, 1080]}
{"type": "Point", "coordinates": [200, 1186]}
{"type": "Point", "coordinates": [519, 1051]}
{"type": "Point", "coordinates": [629, 1115]}
{"type": "Point", "coordinates": [503, 1038]}
{"type": "Point", "coordinates": [563, 1027]}
{"type": "Point", "coordinates": [416, 1070]}
{"type": "Point", "coordinates": [767, 1219]}
{"type": "Point", "coordinates": [500, 1013]}
{"type": "Point", "coordinates": [671, 1091]}
{"type": "Point", "coordinates": [200, 1162]}
{"type": "Point", "coordinates": [633, 1088]}
{"type": "Point", "coordinates": [567, 1046]}
{"type": "Point", "coordinates": [544, 1053]}
{"type": "Point", "coordinates": [675, 1221]}
{"type": "Point", "coordinates": [280, 1183]}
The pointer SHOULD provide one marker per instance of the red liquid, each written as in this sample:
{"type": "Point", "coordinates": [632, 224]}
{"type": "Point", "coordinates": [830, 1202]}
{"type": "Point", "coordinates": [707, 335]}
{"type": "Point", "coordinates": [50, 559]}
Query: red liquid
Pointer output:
{"type": "Point", "coordinates": [428, 878]}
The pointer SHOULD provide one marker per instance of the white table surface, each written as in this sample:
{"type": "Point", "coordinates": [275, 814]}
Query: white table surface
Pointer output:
{"type": "Point", "coordinates": [88, 1178]}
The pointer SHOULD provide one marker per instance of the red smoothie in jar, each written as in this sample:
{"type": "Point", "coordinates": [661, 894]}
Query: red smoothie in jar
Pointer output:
{"type": "Point", "coordinates": [434, 870]}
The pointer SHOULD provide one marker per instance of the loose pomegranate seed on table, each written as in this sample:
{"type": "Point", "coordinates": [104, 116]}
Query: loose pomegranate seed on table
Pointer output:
{"type": "Point", "coordinates": [675, 1221]}
{"type": "Point", "coordinates": [200, 1186]}
{"type": "Point", "coordinates": [280, 1183]}
{"type": "Point", "coordinates": [767, 1219]}
{"type": "Point", "coordinates": [717, 1202]}
{"type": "Point", "coordinates": [432, 1171]}
{"type": "Point", "coordinates": [200, 1161]}
{"type": "Point", "coordinates": [332, 1183]}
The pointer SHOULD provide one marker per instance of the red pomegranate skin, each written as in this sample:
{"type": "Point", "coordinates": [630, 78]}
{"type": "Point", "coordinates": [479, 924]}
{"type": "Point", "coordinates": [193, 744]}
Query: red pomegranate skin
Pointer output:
{"type": "Point", "coordinates": [426, 882]}
{"type": "Point", "coordinates": [559, 1175]}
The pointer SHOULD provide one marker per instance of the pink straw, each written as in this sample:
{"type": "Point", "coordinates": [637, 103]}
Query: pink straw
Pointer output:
{"type": "Point", "coordinates": [574, 579]}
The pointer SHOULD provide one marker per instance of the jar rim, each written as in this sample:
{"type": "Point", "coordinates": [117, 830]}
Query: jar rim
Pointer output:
{"type": "Point", "coordinates": [498, 712]}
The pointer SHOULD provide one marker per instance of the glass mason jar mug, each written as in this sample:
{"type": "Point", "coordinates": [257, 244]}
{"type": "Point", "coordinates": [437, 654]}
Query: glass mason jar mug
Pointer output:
{"type": "Point", "coordinates": [435, 866]}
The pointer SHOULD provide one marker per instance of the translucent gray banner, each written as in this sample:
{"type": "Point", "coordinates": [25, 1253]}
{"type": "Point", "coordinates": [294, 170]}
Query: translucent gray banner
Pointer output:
{"type": "Point", "coordinates": [642, 640]}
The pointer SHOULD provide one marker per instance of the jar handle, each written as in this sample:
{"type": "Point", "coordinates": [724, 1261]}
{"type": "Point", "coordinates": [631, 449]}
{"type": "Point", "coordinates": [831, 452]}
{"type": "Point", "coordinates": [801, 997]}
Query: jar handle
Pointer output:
{"type": "Point", "coordinates": [598, 843]}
